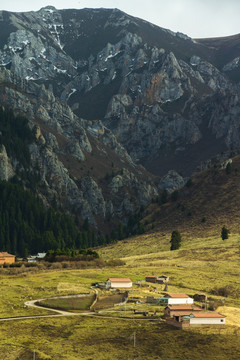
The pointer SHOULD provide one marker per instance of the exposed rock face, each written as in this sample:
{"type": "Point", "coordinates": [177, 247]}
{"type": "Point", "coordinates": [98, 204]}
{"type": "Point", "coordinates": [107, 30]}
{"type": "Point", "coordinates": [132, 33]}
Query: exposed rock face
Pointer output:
{"type": "Point", "coordinates": [6, 169]}
{"type": "Point", "coordinates": [62, 145]}
{"type": "Point", "coordinates": [101, 87]}
{"type": "Point", "coordinates": [171, 181]}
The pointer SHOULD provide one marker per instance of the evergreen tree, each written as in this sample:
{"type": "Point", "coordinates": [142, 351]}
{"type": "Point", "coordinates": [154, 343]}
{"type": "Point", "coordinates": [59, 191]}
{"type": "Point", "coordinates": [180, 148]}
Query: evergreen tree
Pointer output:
{"type": "Point", "coordinates": [164, 197]}
{"type": "Point", "coordinates": [120, 231]}
{"type": "Point", "coordinates": [229, 168]}
{"type": "Point", "coordinates": [175, 240]}
{"type": "Point", "coordinates": [224, 233]}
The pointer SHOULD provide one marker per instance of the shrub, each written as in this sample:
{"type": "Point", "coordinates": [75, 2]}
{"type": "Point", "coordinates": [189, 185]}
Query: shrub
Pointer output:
{"type": "Point", "coordinates": [115, 262]}
{"type": "Point", "coordinates": [16, 265]}
{"type": "Point", "coordinates": [225, 291]}
{"type": "Point", "coordinates": [30, 264]}
{"type": "Point", "coordinates": [189, 183]}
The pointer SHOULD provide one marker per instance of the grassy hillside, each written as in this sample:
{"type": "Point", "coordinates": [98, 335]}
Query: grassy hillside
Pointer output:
{"type": "Point", "coordinates": [110, 335]}
{"type": "Point", "coordinates": [204, 207]}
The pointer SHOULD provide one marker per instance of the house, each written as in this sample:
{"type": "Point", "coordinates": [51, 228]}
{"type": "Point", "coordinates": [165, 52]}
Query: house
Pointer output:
{"type": "Point", "coordinates": [157, 279]}
{"type": "Point", "coordinates": [197, 318]}
{"type": "Point", "coordinates": [172, 310]}
{"type": "Point", "coordinates": [6, 258]}
{"type": "Point", "coordinates": [117, 283]}
{"type": "Point", "coordinates": [178, 299]}
{"type": "Point", "coordinates": [35, 258]}
{"type": "Point", "coordinates": [207, 318]}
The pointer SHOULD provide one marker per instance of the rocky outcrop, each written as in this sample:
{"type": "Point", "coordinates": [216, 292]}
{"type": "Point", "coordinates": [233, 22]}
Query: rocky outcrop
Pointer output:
{"type": "Point", "coordinates": [6, 169]}
{"type": "Point", "coordinates": [171, 181]}
{"type": "Point", "coordinates": [101, 87]}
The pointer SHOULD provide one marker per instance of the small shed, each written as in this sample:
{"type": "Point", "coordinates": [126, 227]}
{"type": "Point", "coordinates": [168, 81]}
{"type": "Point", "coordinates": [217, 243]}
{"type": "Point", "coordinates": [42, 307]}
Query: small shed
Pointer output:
{"type": "Point", "coordinates": [179, 299]}
{"type": "Point", "coordinates": [119, 283]}
{"type": "Point", "coordinates": [157, 279]}
{"type": "Point", "coordinates": [163, 279]}
{"type": "Point", "coordinates": [151, 278]}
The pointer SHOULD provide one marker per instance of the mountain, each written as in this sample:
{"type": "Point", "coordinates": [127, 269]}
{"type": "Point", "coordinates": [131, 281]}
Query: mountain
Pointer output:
{"type": "Point", "coordinates": [208, 201]}
{"type": "Point", "coordinates": [114, 102]}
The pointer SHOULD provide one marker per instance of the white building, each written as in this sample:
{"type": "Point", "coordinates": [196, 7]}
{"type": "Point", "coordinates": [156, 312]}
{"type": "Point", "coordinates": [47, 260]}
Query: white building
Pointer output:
{"type": "Point", "coordinates": [207, 318]}
{"type": "Point", "coordinates": [35, 258]}
{"type": "Point", "coordinates": [179, 299]}
{"type": "Point", "coordinates": [119, 283]}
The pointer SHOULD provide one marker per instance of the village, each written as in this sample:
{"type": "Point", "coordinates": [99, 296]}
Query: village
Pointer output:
{"type": "Point", "coordinates": [178, 309]}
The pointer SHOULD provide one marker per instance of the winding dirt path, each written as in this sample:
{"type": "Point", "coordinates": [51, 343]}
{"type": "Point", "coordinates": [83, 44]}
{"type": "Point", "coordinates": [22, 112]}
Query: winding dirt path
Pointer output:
{"type": "Point", "coordinates": [61, 313]}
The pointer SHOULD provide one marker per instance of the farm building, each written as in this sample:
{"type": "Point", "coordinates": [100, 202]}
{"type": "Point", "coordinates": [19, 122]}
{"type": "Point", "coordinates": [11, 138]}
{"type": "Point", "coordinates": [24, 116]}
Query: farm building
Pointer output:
{"type": "Point", "coordinates": [197, 318]}
{"type": "Point", "coordinates": [178, 299]}
{"type": "Point", "coordinates": [157, 279]}
{"type": "Point", "coordinates": [35, 258]}
{"type": "Point", "coordinates": [6, 258]}
{"type": "Point", "coordinates": [118, 283]}
{"type": "Point", "coordinates": [172, 310]}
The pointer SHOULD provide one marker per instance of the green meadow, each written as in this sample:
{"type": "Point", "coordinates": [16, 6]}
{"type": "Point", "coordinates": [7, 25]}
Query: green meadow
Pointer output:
{"type": "Point", "coordinates": [200, 266]}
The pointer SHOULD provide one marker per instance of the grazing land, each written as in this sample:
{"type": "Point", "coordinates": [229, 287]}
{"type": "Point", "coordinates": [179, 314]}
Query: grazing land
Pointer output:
{"type": "Point", "coordinates": [69, 303]}
{"type": "Point", "coordinates": [200, 266]}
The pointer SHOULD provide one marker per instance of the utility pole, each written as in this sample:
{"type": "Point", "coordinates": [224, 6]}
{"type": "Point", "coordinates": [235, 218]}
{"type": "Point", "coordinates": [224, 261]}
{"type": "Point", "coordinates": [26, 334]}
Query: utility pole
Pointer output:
{"type": "Point", "coordinates": [34, 358]}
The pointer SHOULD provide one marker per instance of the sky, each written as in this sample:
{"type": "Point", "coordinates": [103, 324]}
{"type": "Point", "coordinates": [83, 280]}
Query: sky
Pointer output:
{"type": "Point", "coordinates": [196, 18]}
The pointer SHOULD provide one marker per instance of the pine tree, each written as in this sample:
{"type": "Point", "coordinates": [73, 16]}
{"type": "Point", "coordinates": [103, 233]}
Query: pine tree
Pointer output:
{"type": "Point", "coordinates": [224, 233]}
{"type": "Point", "coordinates": [175, 240]}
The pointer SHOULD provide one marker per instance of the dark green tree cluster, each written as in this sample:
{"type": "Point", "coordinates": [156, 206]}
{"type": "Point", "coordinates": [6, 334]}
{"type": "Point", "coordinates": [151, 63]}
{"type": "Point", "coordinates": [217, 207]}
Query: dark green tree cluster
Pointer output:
{"type": "Point", "coordinates": [175, 240]}
{"type": "Point", "coordinates": [15, 135]}
{"type": "Point", "coordinates": [26, 226]}
{"type": "Point", "coordinates": [71, 255]}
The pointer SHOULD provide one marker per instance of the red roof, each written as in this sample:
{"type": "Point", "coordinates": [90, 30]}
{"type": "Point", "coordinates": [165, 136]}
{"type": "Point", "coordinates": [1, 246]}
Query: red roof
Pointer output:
{"type": "Point", "coordinates": [178, 296]}
{"type": "Point", "coordinates": [181, 313]}
{"type": "Point", "coordinates": [151, 276]}
{"type": "Point", "coordinates": [119, 280]}
{"type": "Point", "coordinates": [208, 315]}
{"type": "Point", "coordinates": [183, 307]}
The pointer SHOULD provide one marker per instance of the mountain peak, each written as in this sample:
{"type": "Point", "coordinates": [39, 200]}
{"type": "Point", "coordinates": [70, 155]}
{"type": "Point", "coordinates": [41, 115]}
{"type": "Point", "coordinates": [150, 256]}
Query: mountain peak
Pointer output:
{"type": "Point", "coordinates": [48, 8]}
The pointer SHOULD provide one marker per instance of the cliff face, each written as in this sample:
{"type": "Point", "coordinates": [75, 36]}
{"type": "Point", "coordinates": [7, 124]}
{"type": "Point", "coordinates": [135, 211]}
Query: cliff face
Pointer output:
{"type": "Point", "coordinates": [106, 91]}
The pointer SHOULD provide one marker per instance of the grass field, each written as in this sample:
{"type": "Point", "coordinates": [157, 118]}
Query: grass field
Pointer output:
{"type": "Point", "coordinates": [200, 266]}
{"type": "Point", "coordinates": [69, 304]}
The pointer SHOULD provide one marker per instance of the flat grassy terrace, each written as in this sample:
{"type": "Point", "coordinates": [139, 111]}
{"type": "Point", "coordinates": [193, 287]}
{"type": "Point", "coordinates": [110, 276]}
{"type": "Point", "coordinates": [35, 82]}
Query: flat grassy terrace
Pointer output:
{"type": "Point", "coordinates": [69, 303]}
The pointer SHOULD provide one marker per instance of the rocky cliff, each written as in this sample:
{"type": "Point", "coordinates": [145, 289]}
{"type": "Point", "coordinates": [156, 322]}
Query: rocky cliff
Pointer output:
{"type": "Point", "coordinates": [106, 92]}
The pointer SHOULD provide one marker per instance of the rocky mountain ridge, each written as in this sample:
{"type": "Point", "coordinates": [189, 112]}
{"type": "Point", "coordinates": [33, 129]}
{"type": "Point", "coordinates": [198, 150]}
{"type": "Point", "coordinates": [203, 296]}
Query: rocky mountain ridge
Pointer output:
{"type": "Point", "coordinates": [105, 91]}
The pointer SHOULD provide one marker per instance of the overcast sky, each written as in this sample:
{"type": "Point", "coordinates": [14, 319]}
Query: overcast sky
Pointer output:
{"type": "Point", "coordinates": [196, 18]}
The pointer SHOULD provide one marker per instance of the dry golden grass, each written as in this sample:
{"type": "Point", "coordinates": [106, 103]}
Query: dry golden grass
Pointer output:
{"type": "Point", "coordinates": [232, 313]}
{"type": "Point", "coordinates": [214, 196]}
